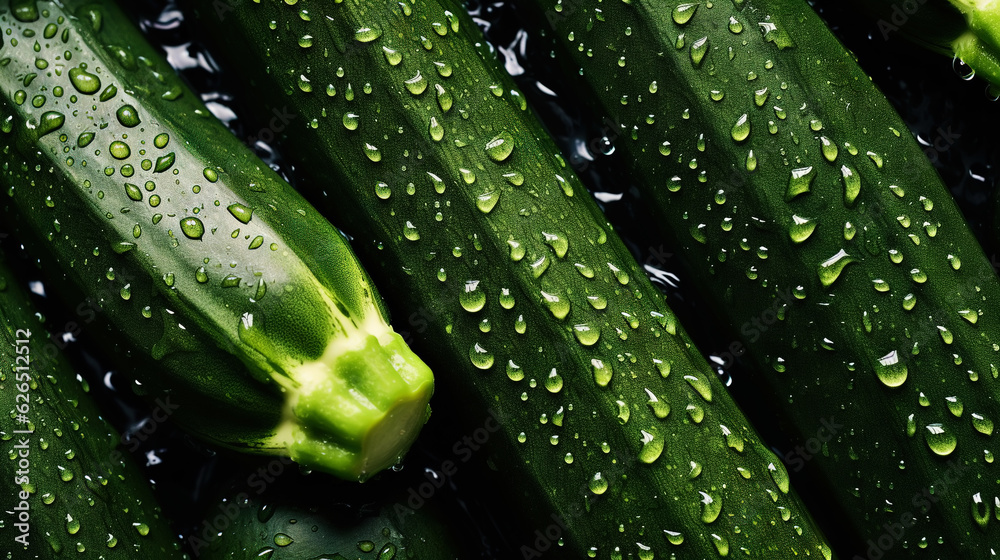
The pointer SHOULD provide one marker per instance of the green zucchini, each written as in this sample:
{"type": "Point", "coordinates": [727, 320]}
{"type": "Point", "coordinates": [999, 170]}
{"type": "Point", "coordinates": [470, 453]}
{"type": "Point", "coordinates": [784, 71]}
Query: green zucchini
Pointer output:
{"type": "Point", "coordinates": [244, 304]}
{"type": "Point", "coordinates": [299, 517]}
{"type": "Point", "coordinates": [71, 484]}
{"type": "Point", "coordinates": [816, 226]}
{"type": "Point", "coordinates": [609, 424]}
{"type": "Point", "coordinates": [967, 30]}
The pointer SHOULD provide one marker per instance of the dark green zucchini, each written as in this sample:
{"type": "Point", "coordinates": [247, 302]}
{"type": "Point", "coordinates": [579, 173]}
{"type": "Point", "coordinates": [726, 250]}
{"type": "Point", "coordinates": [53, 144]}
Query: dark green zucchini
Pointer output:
{"type": "Point", "coordinates": [813, 221]}
{"type": "Point", "coordinates": [71, 487]}
{"type": "Point", "coordinates": [244, 304]}
{"type": "Point", "coordinates": [299, 517]}
{"type": "Point", "coordinates": [610, 426]}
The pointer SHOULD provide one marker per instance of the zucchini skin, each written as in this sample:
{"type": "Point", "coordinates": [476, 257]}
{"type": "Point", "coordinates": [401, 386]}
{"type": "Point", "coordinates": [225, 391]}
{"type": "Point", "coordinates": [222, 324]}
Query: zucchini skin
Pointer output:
{"type": "Point", "coordinates": [300, 517]}
{"type": "Point", "coordinates": [610, 426]}
{"type": "Point", "coordinates": [259, 320]}
{"type": "Point", "coordinates": [897, 338]}
{"type": "Point", "coordinates": [81, 491]}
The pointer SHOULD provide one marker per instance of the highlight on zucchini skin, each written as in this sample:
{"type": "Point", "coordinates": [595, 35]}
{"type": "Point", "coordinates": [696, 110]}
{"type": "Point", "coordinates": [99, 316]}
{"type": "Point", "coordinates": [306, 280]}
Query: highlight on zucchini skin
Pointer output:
{"type": "Point", "coordinates": [237, 298]}
{"type": "Point", "coordinates": [968, 30]}
{"type": "Point", "coordinates": [617, 439]}
{"type": "Point", "coordinates": [73, 488]}
{"type": "Point", "coordinates": [783, 177]}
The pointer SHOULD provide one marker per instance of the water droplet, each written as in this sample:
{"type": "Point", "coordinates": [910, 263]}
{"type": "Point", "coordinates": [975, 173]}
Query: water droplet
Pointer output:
{"type": "Point", "coordinates": [830, 269]}
{"type": "Point", "coordinates": [586, 335]}
{"type": "Point", "coordinates": [711, 507]}
{"type": "Point", "coordinates": [699, 49]}
{"type": "Point", "coordinates": [558, 306]}
{"type": "Point", "coordinates": [351, 120]}
{"type": "Point", "coordinates": [969, 315]}
{"type": "Point", "coordinates": [660, 408]}
{"type": "Point", "coordinates": [500, 147]}
{"type": "Point", "coordinates": [801, 229]}
{"type": "Point", "coordinates": [84, 82]}
{"type": "Point", "coordinates": [652, 447]}
{"type": "Point", "coordinates": [128, 116]}
{"type": "Point", "coordinates": [472, 297]}
{"type": "Point", "coordinates": [373, 153]}
{"type": "Point", "coordinates": [282, 539]}
{"type": "Point", "coordinates": [119, 150]}
{"type": "Point", "coordinates": [982, 424]}
{"type": "Point", "coordinates": [598, 484]}
{"type": "Point", "coordinates": [514, 371]}
{"type": "Point", "coordinates": [417, 84]}
{"type": "Point", "coordinates": [741, 130]}
{"type": "Point", "coordinates": [852, 185]}
{"type": "Point", "coordinates": [939, 439]}
{"type": "Point", "coordinates": [829, 149]}
{"type": "Point", "coordinates": [683, 13]}
{"type": "Point", "coordinates": [367, 34]}
{"type": "Point", "coordinates": [192, 228]}
{"type": "Point", "coordinates": [700, 385]}
{"type": "Point", "coordinates": [554, 382]}
{"type": "Point", "coordinates": [890, 370]}
{"type": "Point", "coordinates": [760, 97]}
{"type": "Point", "coordinates": [602, 372]}
{"type": "Point", "coordinates": [481, 357]}
{"type": "Point", "coordinates": [799, 182]}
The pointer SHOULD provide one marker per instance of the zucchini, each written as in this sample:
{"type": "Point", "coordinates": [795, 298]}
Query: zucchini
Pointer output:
{"type": "Point", "coordinates": [74, 485]}
{"type": "Point", "coordinates": [967, 30]}
{"type": "Point", "coordinates": [614, 434]}
{"type": "Point", "coordinates": [817, 227]}
{"type": "Point", "coordinates": [246, 306]}
{"type": "Point", "coordinates": [299, 517]}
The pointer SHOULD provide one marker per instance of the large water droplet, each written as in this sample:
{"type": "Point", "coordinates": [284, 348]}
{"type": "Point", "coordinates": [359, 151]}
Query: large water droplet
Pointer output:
{"type": "Point", "coordinates": [799, 182]}
{"type": "Point", "coordinates": [652, 447]}
{"type": "Point", "coordinates": [741, 130]}
{"type": "Point", "coordinates": [480, 356]}
{"type": "Point", "coordinates": [500, 147]}
{"type": "Point", "coordinates": [830, 269]}
{"type": "Point", "coordinates": [598, 484]}
{"type": "Point", "coordinates": [801, 229]}
{"type": "Point", "coordinates": [711, 507]}
{"type": "Point", "coordinates": [192, 228]}
{"type": "Point", "coordinates": [472, 297]}
{"type": "Point", "coordinates": [890, 370]}
{"type": "Point", "coordinates": [940, 439]}
{"type": "Point", "coordinates": [84, 82]}
{"type": "Point", "coordinates": [602, 372]}
{"type": "Point", "coordinates": [683, 13]}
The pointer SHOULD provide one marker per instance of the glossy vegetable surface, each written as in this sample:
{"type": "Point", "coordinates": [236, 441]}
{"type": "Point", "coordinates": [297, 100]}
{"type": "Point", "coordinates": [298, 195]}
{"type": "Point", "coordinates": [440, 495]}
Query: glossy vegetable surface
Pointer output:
{"type": "Point", "coordinates": [816, 225]}
{"type": "Point", "coordinates": [71, 486]}
{"type": "Point", "coordinates": [606, 421]}
{"type": "Point", "coordinates": [257, 317]}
